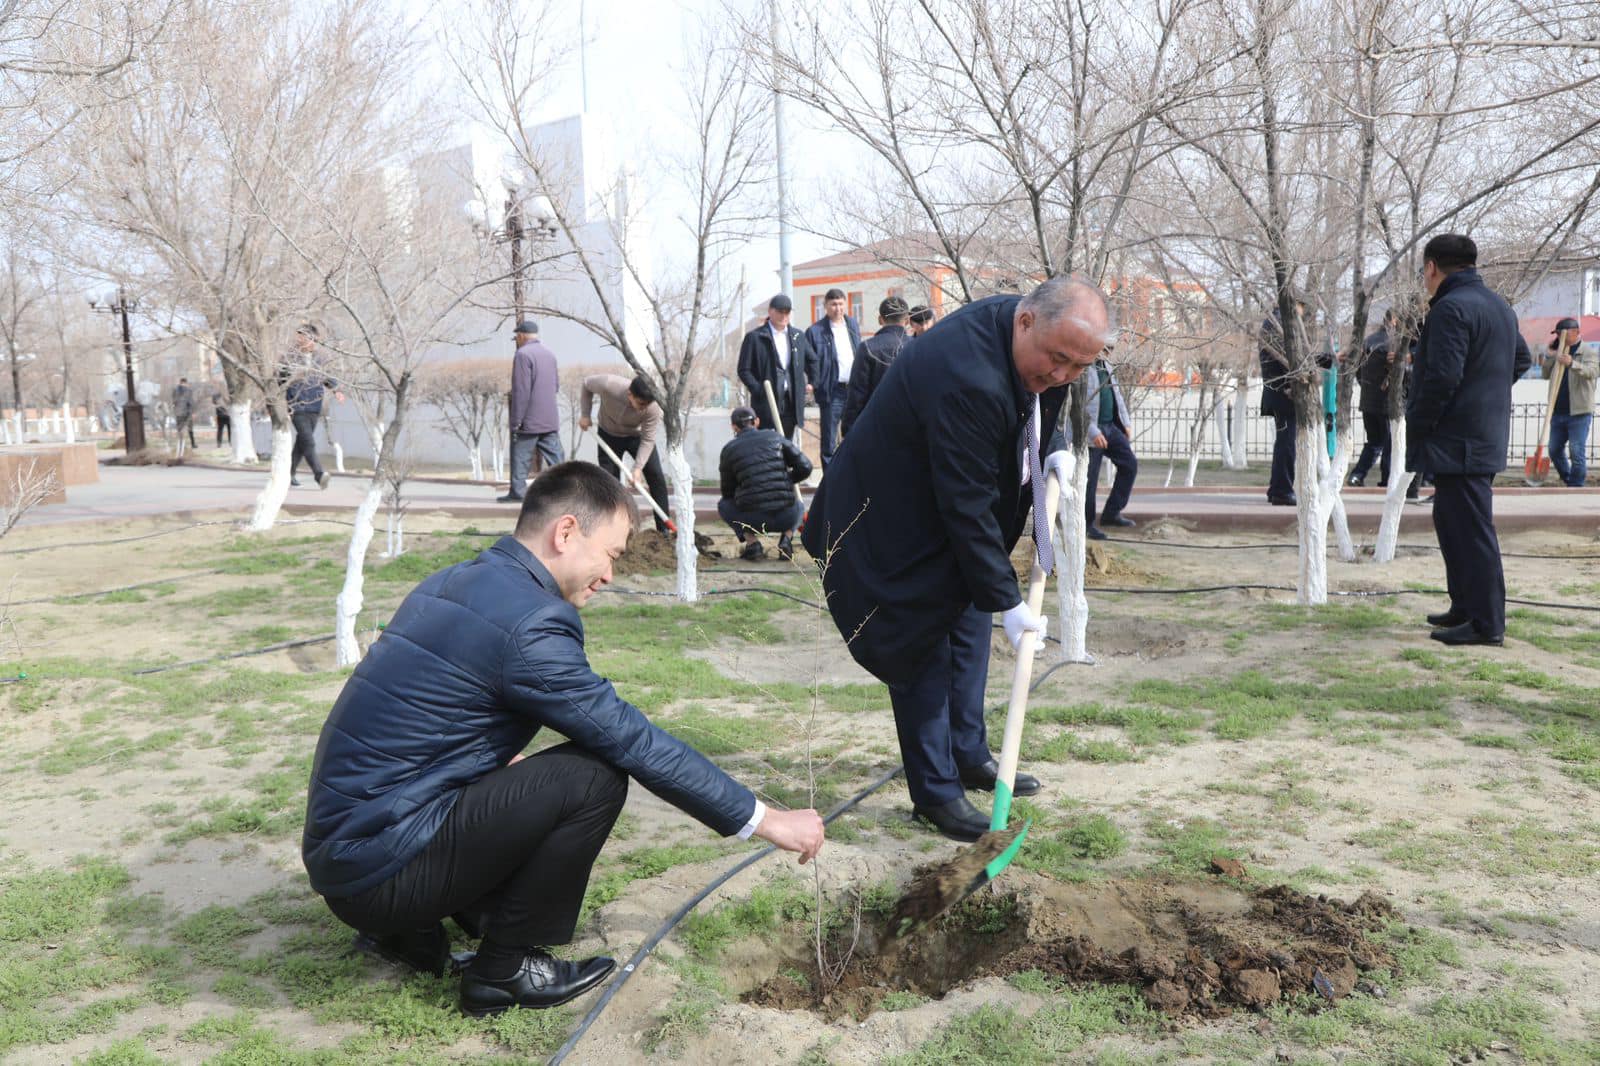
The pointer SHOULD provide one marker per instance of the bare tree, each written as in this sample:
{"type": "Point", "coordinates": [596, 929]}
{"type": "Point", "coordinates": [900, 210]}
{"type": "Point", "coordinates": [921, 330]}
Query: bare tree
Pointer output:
{"type": "Point", "coordinates": [471, 397]}
{"type": "Point", "coordinates": [723, 165]}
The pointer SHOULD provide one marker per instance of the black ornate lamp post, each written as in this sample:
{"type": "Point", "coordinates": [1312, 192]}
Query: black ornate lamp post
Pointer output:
{"type": "Point", "coordinates": [132, 411]}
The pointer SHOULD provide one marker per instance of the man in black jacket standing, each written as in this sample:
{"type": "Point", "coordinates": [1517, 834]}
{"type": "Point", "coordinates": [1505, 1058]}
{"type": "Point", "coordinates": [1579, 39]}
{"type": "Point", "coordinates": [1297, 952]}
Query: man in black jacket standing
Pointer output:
{"type": "Point", "coordinates": [1458, 421]}
{"type": "Point", "coordinates": [305, 383]}
{"type": "Point", "coordinates": [834, 338]}
{"type": "Point", "coordinates": [916, 518]}
{"type": "Point", "coordinates": [873, 357]}
{"type": "Point", "coordinates": [422, 804]}
{"type": "Point", "coordinates": [777, 353]}
{"type": "Point", "coordinates": [1377, 357]}
{"type": "Point", "coordinates": [759, 471]}
{"type": "Point", "coordinates": [1277, 403]}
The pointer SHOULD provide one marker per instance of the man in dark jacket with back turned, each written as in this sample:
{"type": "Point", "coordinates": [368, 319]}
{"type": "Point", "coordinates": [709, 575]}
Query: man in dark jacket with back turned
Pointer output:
{"type": "Point", "coordinates": [873, 357]}
{"type": "Point", "coordinates": [1377, 357]}
{"type": "Point", "coordinates": [777, 353]}
{"type": "Point", "coordinates": [916, 518]}
{"type": "Point", "coordinates": [759, 472]}
{"type": "Point", "coordinates": [421, 804]}
{"type": "Point", "coordinates": [1458, 421]}
{"type": "Point", "coordinates": [1277, 403]}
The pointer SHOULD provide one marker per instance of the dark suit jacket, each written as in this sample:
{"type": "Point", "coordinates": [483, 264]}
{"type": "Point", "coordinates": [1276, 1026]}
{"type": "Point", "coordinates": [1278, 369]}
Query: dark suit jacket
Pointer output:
{"type": "Point", "coordinates": [825, 382]}
{"type": "Point", "coordinates": [924, 500]}
{"type": "Point", "coordinates": [1275, 398]}
{"type": "Point", "coordinates": [1458, 412]}
{"type": "Point", "coordinates": [758, 362]}
{"type": "Point", "coordinates": [873, 357]}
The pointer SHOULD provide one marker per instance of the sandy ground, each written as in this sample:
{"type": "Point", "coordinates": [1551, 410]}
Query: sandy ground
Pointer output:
{"type": "Point", "coordinates": [120, 802]}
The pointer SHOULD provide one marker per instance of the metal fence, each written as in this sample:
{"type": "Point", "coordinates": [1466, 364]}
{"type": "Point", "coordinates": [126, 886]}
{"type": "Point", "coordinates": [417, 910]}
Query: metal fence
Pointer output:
{"type": "Point", "coordinates": [1163, 417]}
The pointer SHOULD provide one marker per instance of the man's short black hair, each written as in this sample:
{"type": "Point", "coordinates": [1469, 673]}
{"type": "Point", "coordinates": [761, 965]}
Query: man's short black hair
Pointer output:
{"type": "Point", "coordinates": [1451, 252]}
{"type": "Point", "coordinates": [833, 294]}
{"type": "Point", "coordinates": [641, 389]}
{"type": "Point", "coordinates": [921, 315]}
{"type": "Point", "coordinates": [579, 489]}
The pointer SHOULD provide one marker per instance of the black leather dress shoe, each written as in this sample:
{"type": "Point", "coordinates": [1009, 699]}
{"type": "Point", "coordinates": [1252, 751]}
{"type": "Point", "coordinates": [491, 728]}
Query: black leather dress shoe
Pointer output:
{"type": "Point", "coordinates": [1117, 520]}
{"type": "Point", "coordinates": [1095, 533]}
{"type": "Point", "coordinates": [427, 950]}
{"type": "Point", "coordinates": [1284, 501]}
{"type": "Point", "coordinates": [1446, 619]}
{"type": "Point", "coordinates": [1467, 633]}
{"type": "Point", "coordinates": [958, 819]}
{"type": "Point", "coordinates": [541, 981]}
{"type": "Point", "coordinates": [510, 497]}
{"type": "Point", "coordinates": [983, 778]}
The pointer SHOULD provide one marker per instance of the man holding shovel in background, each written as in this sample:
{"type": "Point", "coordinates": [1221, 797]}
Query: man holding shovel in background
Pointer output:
{"type": "Point", "coordinates": [916, 517]}
{"type": "Point", "coordinates": [1573, 408]}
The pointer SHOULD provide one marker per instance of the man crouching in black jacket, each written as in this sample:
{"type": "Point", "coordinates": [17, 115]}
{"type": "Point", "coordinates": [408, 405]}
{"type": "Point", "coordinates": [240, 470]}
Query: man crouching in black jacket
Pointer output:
{"type": "Point", "coordinates": [759, 472]}
{"type": "Point", "coordinates": [421, 803]}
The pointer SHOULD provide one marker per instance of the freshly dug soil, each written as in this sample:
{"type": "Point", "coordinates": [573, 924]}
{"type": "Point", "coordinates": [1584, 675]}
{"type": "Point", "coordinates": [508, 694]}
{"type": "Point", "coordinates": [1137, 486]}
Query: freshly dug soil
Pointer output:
{"type": "Point", "coordinates": [651, 551]}
{"type": "Point", "coordinates": [1195, 948]}
{"type": "Point", "coordinates": [938, 888]}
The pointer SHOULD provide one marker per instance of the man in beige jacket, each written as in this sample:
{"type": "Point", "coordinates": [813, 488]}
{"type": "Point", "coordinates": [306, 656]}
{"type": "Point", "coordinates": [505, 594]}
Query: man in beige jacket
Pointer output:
{"type": "Point", "coordinates": [630, 423]}
{"type": "Point", "coordinates": [1573, 410]}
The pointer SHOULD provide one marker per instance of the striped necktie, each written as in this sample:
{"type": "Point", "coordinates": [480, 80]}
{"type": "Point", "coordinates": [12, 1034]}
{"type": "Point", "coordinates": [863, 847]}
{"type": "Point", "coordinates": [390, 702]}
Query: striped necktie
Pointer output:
{"type": "Point", "coordinates": [1041, 527]}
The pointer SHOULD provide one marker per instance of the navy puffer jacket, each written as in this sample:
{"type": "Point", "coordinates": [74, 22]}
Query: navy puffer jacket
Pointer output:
{"type": "Point", "coordinates": [477, 659]}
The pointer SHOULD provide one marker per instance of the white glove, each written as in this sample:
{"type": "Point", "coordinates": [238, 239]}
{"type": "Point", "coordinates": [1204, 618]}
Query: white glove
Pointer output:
{"type": "Point", "coordinates": [1060, 462]}
{"type": "Point", "coordinates": [1020, 621]}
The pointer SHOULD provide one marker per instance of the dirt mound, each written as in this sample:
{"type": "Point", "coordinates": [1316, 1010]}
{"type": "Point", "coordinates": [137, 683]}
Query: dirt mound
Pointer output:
{"type": "Point", "coordinates": [1199, 949]}
{"type": "Point", "coordinates": [651, 551]}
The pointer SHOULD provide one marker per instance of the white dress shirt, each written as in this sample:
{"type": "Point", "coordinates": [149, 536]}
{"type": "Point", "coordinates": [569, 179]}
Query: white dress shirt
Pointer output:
{"type": "Point", "coordinates": [780, 341]}
{"type": "Point", "coordinates": [842, 348]}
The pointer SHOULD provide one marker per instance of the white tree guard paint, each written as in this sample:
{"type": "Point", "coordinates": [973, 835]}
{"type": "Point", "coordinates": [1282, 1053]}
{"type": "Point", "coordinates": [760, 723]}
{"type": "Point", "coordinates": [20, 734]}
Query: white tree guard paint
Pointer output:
{"type": "Point", "coordinates": [681, 476]}
{"type": "Point", "coordinates": [1311, 584]}
{"type": "Point", "coordinates": [1333, 482]}
{"type": "Point", "coordinates": [240, 436]}
{"type": "Point", "coordinates": [276, 489]}
{"type": "Point", "coordinates": [71, 430]}
{"type": "Point", "coordinates": [395, 542]}
{"type": "Point", "coordinates": [338, 457]}
{"type": "Point", "coordinates": [347, 606]}
{"type": "Point", "coordinates": [1241, 414]}
{"type": "Point", "coordinates": [475, 457]}
{"type": "Point", "coordinates": [1194, 464]}
{"type": "Point", "coordinates": [1394, 501]}
{"type": "Point", "coordinates": [1072, 606]}
{"type": "Point", "coordinates": [1219, 416]}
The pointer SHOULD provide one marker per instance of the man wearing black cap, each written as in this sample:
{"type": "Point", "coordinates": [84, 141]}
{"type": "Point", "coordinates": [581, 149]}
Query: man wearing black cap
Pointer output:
{"type": "Point", "coordinates": [759, 472]}
{"type": "Point", "coordinates": [1573, 408]}
{"type": "Point", "coordinates": [1458, 423]}
{"type": "Point", "coordinates": [920, 321]}
{"type": "Point", "coordinates": [535, 422]}
{"type": "Point", "coordinates": [777, 353]}
{"type": "Point", "coordinates": [873, 357]}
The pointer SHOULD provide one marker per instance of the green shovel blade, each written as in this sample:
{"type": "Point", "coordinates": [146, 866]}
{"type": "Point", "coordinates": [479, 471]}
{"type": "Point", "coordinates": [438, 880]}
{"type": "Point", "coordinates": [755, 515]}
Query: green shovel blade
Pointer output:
{"type": "Point", "coordinates": [997, 820]}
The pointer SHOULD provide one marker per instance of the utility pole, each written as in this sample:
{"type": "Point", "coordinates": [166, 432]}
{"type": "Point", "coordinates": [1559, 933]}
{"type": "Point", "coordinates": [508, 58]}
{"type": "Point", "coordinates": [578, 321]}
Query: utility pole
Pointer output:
{"type": "Point", "coordinates": [785, 267]}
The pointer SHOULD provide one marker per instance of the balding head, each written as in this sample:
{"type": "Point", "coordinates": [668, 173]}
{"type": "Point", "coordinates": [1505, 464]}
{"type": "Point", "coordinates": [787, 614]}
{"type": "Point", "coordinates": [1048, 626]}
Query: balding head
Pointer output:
{"type": "Point", "coordinates": [1059, 329]}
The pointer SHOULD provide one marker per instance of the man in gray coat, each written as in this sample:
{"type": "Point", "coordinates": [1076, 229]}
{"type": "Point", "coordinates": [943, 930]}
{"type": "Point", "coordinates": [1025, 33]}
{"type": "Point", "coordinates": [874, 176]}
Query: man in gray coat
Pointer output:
{"type": "Point", "coordinates": [535, 423]}
{"type": "Point", "coordinates": [1109, 438]}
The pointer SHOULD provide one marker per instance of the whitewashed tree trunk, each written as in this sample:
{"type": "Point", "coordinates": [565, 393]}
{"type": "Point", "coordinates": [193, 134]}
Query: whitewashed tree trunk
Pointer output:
{"type": "Point", "coordinates": [1311, 585]}
{"type": "Point", "coordinates": [347, 607]}
{"type": "Point", "coordinates": [243, 437]}
{"type": "Point", "coordinates": [395, 535]}
{"type": "Point", "coordinates": [681, 477]}
{"type": "Point", "coordinates": [338, 457]}
{"type": "Point", "coordinates": [1219, 417]}
{"type": "Point", "coordinates": [1333, 484]}
{"type": "Point", "coordinates": [1394, 500]}
{"type": "Point", "coordinates": [1072, 609]}
{"type": "Point", "coordinates": [475, 457]}
{"type": "Point", "coordinates": [277, 486]}
{"type": "Point", "coordinates": [72, 431]}
{"type": "Point", "coordinates": [22, 432]}
{"type": "Point", "coordinates": [1241, 415]}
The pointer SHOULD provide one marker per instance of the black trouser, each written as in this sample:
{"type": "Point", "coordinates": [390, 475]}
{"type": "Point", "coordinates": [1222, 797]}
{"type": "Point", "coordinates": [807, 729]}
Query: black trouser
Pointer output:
{"type": "Point", "coordinates": [1120, 451]}
{"type": "Point", "coordinates": [305, 442]}
{"type": "Point", "coordinates": [186, 425]}
{"type": "Point", "coordinates": [1282, 482]}
{"type": "Point", "coordinates": [1463, 520]}
{"type": "Point", "coordinates": [1377, 427]}
{"type": "Point", "coordinates": [224, 425]}
{"type": "Point", "coordinates": [784, 520]}
{"type": "Point", "coordinates": [939, 716]}
{"type": "Point", "coordinates": [516, 850]}
{"type": "Point", "coordinates": [653, 477]}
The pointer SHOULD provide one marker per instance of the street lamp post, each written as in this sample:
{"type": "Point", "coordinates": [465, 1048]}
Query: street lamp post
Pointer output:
{"type": "Point", "coordinates": [132, 410]}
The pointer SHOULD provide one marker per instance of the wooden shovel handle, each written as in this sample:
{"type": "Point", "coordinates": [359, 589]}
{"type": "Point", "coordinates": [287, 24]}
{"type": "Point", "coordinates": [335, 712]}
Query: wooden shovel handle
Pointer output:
{"type": "Point", "coordinates": [651, 500]}
{"type": "Point", "coordinates": [1022, 675]}
{"type": "Point", "coordinates": [772, 405]}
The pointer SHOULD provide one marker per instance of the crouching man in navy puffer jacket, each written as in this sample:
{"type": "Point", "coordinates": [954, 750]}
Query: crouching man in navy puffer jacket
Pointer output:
{"type": "Point", "coordinates": [421, 803]}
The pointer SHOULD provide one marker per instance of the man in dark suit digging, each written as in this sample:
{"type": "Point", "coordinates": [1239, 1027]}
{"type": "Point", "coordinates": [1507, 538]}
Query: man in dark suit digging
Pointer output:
{"type": "Point", "coordinates": [919, 510]}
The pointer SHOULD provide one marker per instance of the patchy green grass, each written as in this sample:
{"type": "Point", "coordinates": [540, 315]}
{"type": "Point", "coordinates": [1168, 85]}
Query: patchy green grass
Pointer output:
{"type": "Point", "coordinates": [997, 1034]}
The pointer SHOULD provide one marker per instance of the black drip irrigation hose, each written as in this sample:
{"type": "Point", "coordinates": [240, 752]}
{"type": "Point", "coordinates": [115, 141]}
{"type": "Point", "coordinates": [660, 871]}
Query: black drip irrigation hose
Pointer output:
{"type": "Point", "coordinates": [280, 646]}
{"type": "Point", "coordinates": [121, 588]}
{"type": "Point", "coordinates": [682, 912]}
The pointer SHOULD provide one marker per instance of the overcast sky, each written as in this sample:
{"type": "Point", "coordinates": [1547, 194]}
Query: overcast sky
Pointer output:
{"type": "Point", "coordinates": [634, 59]}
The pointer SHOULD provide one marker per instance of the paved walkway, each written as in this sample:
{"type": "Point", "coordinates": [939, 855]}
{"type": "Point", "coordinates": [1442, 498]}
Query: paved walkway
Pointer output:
{"type": "Point", "coordinates": [149, 491]}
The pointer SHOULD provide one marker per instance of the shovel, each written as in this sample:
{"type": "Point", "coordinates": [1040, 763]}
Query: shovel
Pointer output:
{"type": "Point", "coordinates": [947, 884]}
{"type": "Point", "coordinates": [772, 405]}
{"type": "Point", "coordinates": [1537, 466]}
{"type": "Point", "coordinates": [651, 500]}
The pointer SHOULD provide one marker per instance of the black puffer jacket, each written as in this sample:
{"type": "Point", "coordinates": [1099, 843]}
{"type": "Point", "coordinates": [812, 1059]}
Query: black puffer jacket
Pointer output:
{"type": "Point", "coordinates": [760, 470]}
